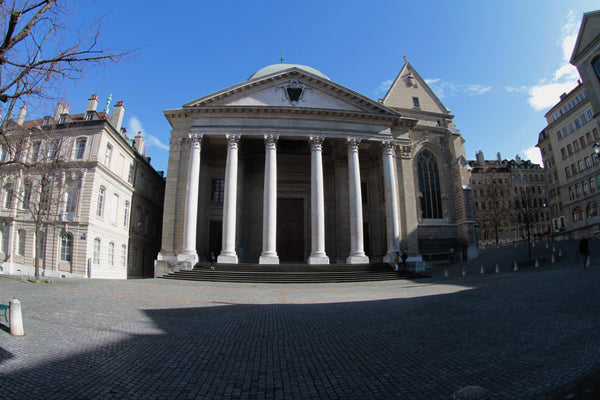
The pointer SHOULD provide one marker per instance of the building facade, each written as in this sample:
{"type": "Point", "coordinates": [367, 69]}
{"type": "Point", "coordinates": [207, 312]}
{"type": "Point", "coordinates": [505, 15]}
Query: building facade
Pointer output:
{"type": "Point", "coordinates": [289, 166]}
{"type": "Point", "coordinates": [511, 200]}
{"type": "Point", "coordinates": [78, 195]}
{"type": "Point", "coordinates": [567, 146]}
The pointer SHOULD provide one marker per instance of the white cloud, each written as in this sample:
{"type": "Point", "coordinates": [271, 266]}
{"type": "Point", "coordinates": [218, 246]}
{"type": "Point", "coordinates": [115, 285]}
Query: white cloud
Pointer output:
{"type": "Point", "coordinates": [533, 154]}
{"type": "Point", "coordinates": [447, 89]}
{"type": "Point", "coordinates": [542, 97]}
{"type": "Point", "coordinates": [516, 89]}
{"type": "Point", "coordinates": [135, 125]}
{"type": "Point", "coordinates": [384, 86]}
{"type": "Point", "coordinates": [547, 92]}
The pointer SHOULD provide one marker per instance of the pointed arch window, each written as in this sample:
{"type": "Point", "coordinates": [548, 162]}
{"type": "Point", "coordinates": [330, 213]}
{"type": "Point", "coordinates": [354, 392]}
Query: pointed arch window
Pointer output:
{"type": "Point", "coordinates": [429, 185]}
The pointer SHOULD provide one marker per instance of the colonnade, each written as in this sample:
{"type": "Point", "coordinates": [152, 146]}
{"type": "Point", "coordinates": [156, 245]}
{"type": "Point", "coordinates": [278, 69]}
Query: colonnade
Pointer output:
{"type": "Point", "coordinates": [317, 209]}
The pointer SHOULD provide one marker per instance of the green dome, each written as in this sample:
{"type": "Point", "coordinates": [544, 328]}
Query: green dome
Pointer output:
{"type": "Point", "coordinates": [271, 69]}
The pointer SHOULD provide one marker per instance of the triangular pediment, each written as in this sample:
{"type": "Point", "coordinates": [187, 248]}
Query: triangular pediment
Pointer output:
{"type": "Point", "coordinates": [589, 35]}
{"type": "Point", "coordinates": [409, 85]}
{"type": "Point", "coordinates": [293, 88]}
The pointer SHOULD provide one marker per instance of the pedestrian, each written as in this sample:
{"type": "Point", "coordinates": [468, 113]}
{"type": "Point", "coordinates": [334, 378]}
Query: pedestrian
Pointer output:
{"type": "Point", "coordinates": [584, 250]}
{"type": "Point", "coordinates": [396, 261]}
{"type": "Point", "coordinates": [404, 257]}
{"type": "Point", "coordinates": [212, 260]}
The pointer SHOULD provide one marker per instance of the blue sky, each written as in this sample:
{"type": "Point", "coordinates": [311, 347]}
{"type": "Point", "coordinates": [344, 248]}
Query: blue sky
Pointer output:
{"type": "Point", "coordinates": [498, 66]}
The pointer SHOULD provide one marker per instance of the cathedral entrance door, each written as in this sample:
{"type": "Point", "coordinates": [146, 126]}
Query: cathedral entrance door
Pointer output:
{"type": "Point", "coordinates": [290, 229]}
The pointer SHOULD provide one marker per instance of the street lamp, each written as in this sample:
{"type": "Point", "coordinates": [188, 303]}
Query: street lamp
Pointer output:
{"type": "Point", "coordinates": [596, 147]}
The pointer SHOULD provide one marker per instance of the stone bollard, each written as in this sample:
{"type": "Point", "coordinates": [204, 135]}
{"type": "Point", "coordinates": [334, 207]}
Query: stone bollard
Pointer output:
{"type": "Point", "coordinates": [497, 268]}
{"type": "Point", "coordinates": [559, 252]}
{"type": "Point", "coordinates": [482, 270]}
{"type": "Point", "coordinates": [533, 244]}
{"type": "Point", "coordinates": [546, 244]}
{"type": "Point", "coordinates": [464, 272]}
{"type": "Point", "coordinates": [15, 318]}
{"type": "Point", "coordinates": [553, 260]}
{"type": "Point", "coordinates": [553, 249]}
{"type": "Point", "coordinates": [446, 273]}
{"type": "Point", "coordinates": [537, 263]}
{"type": "Point", "coordinates": [472, 393]}
{"type": "Point", "coordinates": [515, 266]}
{"type": "Point", "coordinates": [515, 245]}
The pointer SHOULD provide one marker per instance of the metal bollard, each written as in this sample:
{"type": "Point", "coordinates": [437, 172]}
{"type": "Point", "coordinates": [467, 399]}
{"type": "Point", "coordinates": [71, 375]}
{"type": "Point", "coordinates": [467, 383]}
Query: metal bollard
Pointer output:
{"type": "Point", "coordinates": [482, 270]}
{"type": "Point", "coordinates": [497, 268]}
{"type": "Point", "coordinates": [446, 273]}
{"type": "Point", "coordinates": [537, 263]}
{"type": "Point", "coordinates": [515, 266]}
{"type": "Point", "coordinates": [464, 272]}
{"type": "Point", "coordinates": [553, 259]}
{"type": "Point", "coordinates": [15, 318]}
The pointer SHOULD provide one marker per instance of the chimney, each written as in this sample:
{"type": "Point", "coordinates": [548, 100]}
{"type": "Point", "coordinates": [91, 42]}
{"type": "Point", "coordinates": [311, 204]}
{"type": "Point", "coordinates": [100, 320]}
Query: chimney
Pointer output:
{"type": "Point", "coordinates": [499, 157]}
{"type": "Point", "coordinates": [92, 103]}
{"type": "Point", "coordinates": [21, 115]}
{"type": "Point", "coordinates": [518, 159]}
{"type": "Point", "coordinates": [117, 116]}
{"type": "Point", "coordinates": [59, 110]}
{"type": "Point", "coordinates": [479, 157]}
{"type": "Point", "coordinates": [138, 143]}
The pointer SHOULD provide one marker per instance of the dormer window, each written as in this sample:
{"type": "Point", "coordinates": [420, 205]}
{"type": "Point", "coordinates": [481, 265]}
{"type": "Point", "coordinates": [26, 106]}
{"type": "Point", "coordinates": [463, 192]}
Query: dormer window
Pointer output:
{"type": "Point", "coordinates": [62, 119]}
{"type": "Point", "coordinates": [416, 102]}
{"type": "Point", "coordinates": [89, 115]}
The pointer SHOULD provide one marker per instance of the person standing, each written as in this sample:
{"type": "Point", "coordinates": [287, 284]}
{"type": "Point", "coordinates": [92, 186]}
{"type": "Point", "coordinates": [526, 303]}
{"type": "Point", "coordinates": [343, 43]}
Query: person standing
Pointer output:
{"type": "Point", "coordinates": [584, 250]}
{"type": "Point", "coordinates": [404, 257]}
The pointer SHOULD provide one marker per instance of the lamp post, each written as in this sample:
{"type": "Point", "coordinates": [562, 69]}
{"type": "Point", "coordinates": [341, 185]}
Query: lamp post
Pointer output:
{"type": "Point", "coordinates": [596, 147]}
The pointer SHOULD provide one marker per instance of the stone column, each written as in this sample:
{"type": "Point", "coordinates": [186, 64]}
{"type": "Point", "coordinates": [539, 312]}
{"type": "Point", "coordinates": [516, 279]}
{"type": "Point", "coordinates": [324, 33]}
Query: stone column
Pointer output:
{"type": "Point", "coordinates": [191, 201]}
{"type": "Point", "coordinates": [391, 200]}
{"type": "Point", "coordinates": [317, 207]}
{"type": "Point", "coordinates": [228, 254]}
{"type": "Point", "coordinates": [269, 250]}
{"type": "Point", "coordinates": [357, 253]}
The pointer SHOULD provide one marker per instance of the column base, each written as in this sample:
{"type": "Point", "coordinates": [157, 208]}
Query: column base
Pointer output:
{"type": "Point", "coordinates": [227, 259]}
{"type": "Point", "coordinates": [169, 263]}
{"type": "Point", "coordinates": [318, 259]}
{"type": "Point", "coordinates": [357, 259]}
{"type": "Point", "coordinates": [268, 259]}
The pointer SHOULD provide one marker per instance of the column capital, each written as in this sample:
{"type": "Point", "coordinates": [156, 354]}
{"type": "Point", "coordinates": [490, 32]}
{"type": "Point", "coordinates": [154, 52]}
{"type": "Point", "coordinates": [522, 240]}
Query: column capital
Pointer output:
{"type": "Point", "coordinates": [315, 142]}
{"type": "Point", "coordinates": [388, 147]}
{"type": "Point", "coordinates": [271, 141]}
{"type": "Point", "coordinates": [233, 140]}
{"type": "Point", "coordinates": [353, 143]}
{"type": "Point", "coordinates": [196, 139]}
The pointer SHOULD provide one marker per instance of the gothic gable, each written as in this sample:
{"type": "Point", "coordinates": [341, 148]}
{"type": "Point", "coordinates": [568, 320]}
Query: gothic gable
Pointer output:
{"type": "Point", "coordinates": [410, 92]}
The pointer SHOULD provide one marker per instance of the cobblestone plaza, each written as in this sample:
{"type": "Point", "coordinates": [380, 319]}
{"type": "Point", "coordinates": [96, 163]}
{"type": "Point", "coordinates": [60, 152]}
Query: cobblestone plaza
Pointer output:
{"type": "Point", "coordinates": [518, 334]}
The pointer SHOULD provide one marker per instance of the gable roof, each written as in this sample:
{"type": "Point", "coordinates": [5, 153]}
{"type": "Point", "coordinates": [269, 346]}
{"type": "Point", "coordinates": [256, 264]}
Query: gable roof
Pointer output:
{"type": "Point", "coordinates": [409, 84]}
{"type": "Point", "coordinates": [588, 37]}
{"type": "Point", "coordinates": [353, 99]}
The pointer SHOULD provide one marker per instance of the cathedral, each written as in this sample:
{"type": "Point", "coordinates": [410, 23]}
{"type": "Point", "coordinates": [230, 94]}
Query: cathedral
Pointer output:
{"type": "Point", "coordinates": [289, 166]}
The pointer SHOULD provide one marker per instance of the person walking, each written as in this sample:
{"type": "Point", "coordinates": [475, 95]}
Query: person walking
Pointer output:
{"type": "Point", "coordinates": [404, 257]}
{"type": "Point", "coordinates": [396, 261]}
{"type": "Point", "coordinates": [584, 250]}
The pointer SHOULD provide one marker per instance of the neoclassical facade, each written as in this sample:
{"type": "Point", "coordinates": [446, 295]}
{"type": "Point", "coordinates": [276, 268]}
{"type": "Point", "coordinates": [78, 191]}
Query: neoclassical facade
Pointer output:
{"type": "Point", "coordinates": [289, 166]}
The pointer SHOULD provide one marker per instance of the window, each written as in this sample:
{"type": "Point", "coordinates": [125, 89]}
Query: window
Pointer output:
{"type": "Point", "coordinates": [563, 152]}
{"type": "Point", "coordinates": [108, 155]}
{"type": "Point", "coordinates": [590, 114]}
{"type": "Point", "coordinates": [26, 196]}
{"type": "Point", "coordinates": [72, 194]}
{"type": "Point", "coordinates": [582, 142]}
{"type": "Point", "coordinates": [111, 254]}
{"type": "Point", "coordinates": [429, 185]}
{"type": "Point", "coordinates": [96, 256]}
{"type": "Point", "coordinates": [592, 185]}
{"type": "Point", "coordinates": [89, 115]}
{"type": "Point", "coordinates": [580, 165]}
{"type": "Point", "coordinates": [66, 247]}
{"type": "Point", "coordinates": [3, 240]}
{"type": "Point", "coordinates": [35, 151]}
{"type": "Point", "coordinates": [576, 146]}
{"type": "Point", "coordinates": [218, 190]}
{"type": "Point", "coordinates": [8, 195]}
{"type": "Point", "coordinates": [588, 162]}
{"type": "Point", "coordinates": [416, 102]}
{"type": "Point", "coordinates": [80, 148]}
{"type": "Point", "coordinates": [592, 209]}
{"type": "Point", "coordinates": [126, 214]}
{"type": "Point", "coordinates": [577, 123]}
{"type": "Point", "coordinates": [123, 256]}
{"type": "Point", "coordinates": [62, 119]}
{"type": "Point", "coordinates": [115, 209]}
{"type": "Point", "coordinates": [52, 150]}
{"type": "Point", "coordinates": [565, 133]}
{"type": "Point", "coordinates": [569, 149]}
{"type": "Point", "coordinates": [577, 191]}
{"type": "Point", "coordinates": [577, 214]}
{"type": "Point", "coordinates": [130, 177]}
{"type": "Point", "coordinates": [583, 118]}
{"type": "Point", "coordinates": [584, 186]}
{"type": "Point", "coordinates": [21, 242]}
{"type": "Point", "coordinates": [571, 193]}
{"type": "Point", "coordinates": [588, 136]}
{"type": "Point", "coordinates": [571, 129]}
{"type": "Point", "coordinates": [100, 207]}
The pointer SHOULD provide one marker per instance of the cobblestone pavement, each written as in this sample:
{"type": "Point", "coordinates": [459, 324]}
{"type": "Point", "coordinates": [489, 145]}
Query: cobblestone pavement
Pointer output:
{"type": "Point", "coordinates": [519, 334]}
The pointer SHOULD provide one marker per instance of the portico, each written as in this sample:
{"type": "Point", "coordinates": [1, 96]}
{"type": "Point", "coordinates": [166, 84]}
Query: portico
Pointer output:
{"type": "Point", "coordinates": [287, 167]}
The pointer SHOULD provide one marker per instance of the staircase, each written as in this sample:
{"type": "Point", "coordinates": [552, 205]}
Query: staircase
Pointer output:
{"type": "Point", "coordinates": [293, 273]}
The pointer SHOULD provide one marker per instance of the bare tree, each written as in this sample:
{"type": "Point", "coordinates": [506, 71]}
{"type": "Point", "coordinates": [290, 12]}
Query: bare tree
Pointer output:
{"type": "Point", "coordinates": [40, 49]}
{"type": "Point", "coordinates": [38, 187]}
{"type": "Point", "coordinates": [494, 215]}
{"type": "Point", "coordinates": [526, 212]}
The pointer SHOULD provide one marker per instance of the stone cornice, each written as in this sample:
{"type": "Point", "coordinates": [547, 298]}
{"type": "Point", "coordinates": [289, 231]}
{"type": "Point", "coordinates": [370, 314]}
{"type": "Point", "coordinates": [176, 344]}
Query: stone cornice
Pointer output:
{"type": "Point", "coordinates": [295, 112]}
